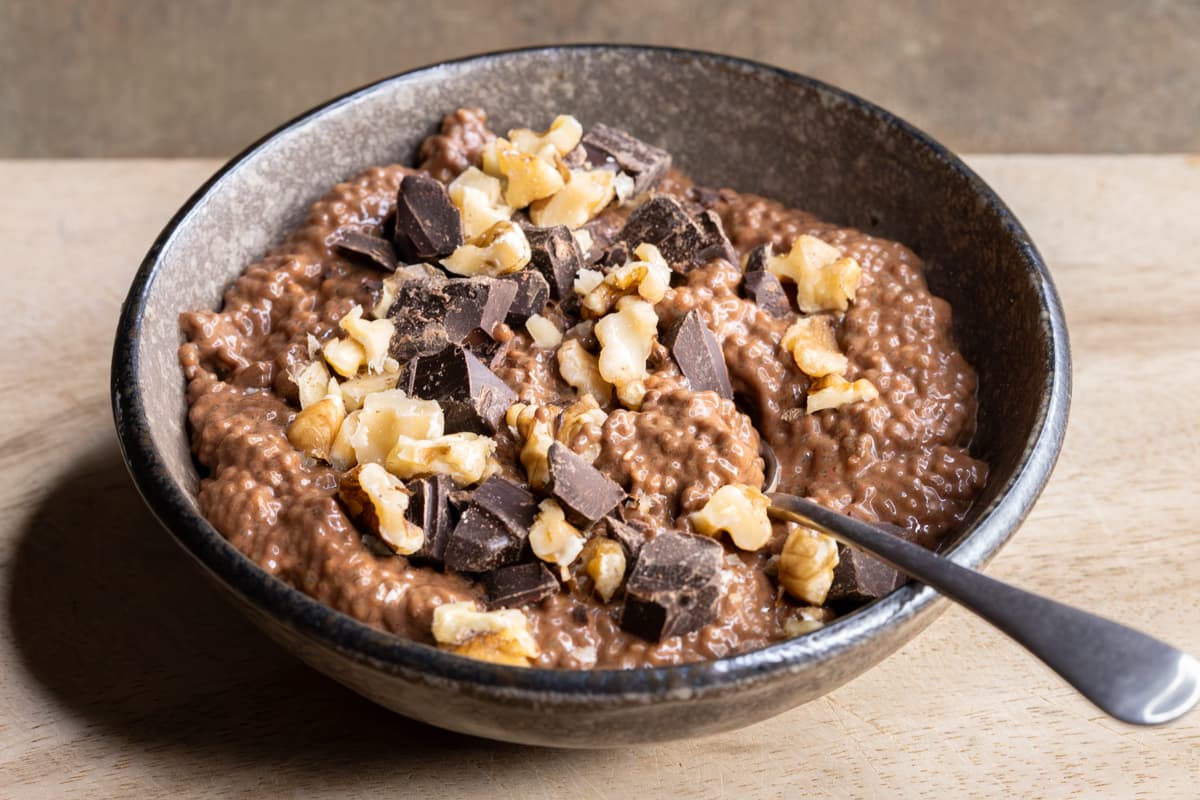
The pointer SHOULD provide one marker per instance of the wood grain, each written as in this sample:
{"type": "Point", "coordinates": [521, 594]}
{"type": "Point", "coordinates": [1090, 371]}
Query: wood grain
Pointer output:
{"type": "Point", "coordinates": [124, 673]}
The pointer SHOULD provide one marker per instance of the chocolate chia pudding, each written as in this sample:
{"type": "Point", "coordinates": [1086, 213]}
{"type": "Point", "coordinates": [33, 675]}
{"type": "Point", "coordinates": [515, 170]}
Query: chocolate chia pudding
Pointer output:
{"type": "Point", "coordinates": [510, 402]}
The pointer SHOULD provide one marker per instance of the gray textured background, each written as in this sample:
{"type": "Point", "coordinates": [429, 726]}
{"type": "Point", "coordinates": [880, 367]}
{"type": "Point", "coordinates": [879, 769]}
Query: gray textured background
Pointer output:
{"type": "Point", "coordinates": [204, 78]}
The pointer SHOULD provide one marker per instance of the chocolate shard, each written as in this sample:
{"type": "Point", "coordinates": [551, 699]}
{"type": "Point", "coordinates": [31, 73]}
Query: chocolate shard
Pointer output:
{"type": "Point", "coordinates": [615, 256]}
{"type": "Point", "coordinates": [760, 284]}
{"type": "Point", "coordinates": [715, 243]}
{"type": "Point", "coordinates": [519, 584]}
{"type": "Point", "coordinates": [419, 316]}
{"type": "Point", "coordinates": [476, 305]}
{"type": "Point", "coordinates": [428, 226]}
{"type": "Point", "coordinates": [859, 578]}
{"type": "Point", "coordinates": [698, 355]}
{"type": "Point", "coordinates": [630, 537]}
{"type": "Point", "coordinates": [663, 222]}
{"type": "Point", "coordinates": [429, 507]}
{"type": "Point", "coordinates": [532, 292]}
{"type": "Point", "coordinates": [674, 588]}
{"type": "Point", "coordinates": [555, 254]}
{"type": "Point", "coordinates": [585, 493]}
{"type": "Point", "coordinates": [472, 398]}
{"type": "Point", "coordinates": [646, 163]}
{"type": "Point", "coordinates": [493, 529]}
{"type": "Point", "coordinates": [375, 249]}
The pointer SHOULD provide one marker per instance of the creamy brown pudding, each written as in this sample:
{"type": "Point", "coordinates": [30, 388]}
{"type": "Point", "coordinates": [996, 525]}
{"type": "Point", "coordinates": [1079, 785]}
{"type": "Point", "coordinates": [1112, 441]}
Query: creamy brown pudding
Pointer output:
{"type": "Point", "coordinates": [510, 401]}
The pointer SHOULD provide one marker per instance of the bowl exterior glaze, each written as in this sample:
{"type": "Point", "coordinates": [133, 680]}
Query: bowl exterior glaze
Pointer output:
{"type": "Point", "coordinates": [729, 123]}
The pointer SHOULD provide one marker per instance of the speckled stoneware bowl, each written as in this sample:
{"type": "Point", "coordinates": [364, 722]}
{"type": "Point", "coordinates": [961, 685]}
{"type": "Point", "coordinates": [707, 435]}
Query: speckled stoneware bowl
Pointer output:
{"type": "Point", "coordinates": [728, 123]}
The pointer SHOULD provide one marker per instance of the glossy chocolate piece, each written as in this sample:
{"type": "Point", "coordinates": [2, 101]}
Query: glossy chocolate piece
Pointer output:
{"type": "Point", "coordinates": [698, 355]}
{"type": "Point", "coordinates": [663, 222]}
{"type": "Point", "coordinates": [532, 293]}
{"type": "Point", "coordinates": [645, 163]}
{"type": "Point", "coordinates": [519, 585]}
{"type": "Point", "coordinates": [477, 305]}
{"type": "Point", "coordinates": [375, 250]}
{"type": "Point", "coordinates": [556, 255]}
{"type": "Point", "coordinates": [428, 226]}
{"type": "Point", "coordinates": [675, 587]}
{"type": "Point", "coordinates": [429, 508]}
{"type": "Point", "coordinates": [472, 398]}
{"type": "Point", "coordinates": [585, 493]}
{"type": "Point", "coordinates": [493, 529]}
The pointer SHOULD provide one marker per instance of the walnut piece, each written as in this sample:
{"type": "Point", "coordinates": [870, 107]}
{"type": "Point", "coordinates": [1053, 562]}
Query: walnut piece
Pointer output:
{"type": "Point", "coordinates": [559, 139]}
{"type": "Point", "coordinates": [581, 371]}
{"type": "Point", "coordinates": [575, 421]}
{"type": "Point", "coordinates": [355, 390]}
{"type": "Point", "coordinates": [545, 333]}
{"type": "Point", "coordinates": [312, 382]}
{"type": "Point", "coordinates": [467, 458]}
{"type": "Point", "coordinates": [535, 426]}
{"type": "Point", "coordinates": [373, 335]}
{"type": "Point", "coordinates": [552, 538]}
{"type": "Point", "coordinates": [378, 501]}
{"type": "Point", "coordinates": [813, 344]}
{"type": "Point", "coordinates": [740, 511]}
{"type": "Point", "coordinates": [648, 275]}
{"type": "Point", "coordinates": [499, 250]}
{"type": "Point", "coordinates": [626, 338]}
{"type": "Point", "coordinates": [500, 636]}
{"type": "Point", "coordinates": [585, 195]}
{"type": "Point", "coordinates": [313, 430]}
{"type": "Point", "coordinates": [832, 391]}
{"type": "Point", "coordinates": [806, 565]}
{"type": "Point", "coordinates": [605, 560]}
{"type": "Point", "coordinates": [825, 281]}
{"type": "Point", "coordinates": [388, 415]}
{"type": "Point", "coordinates": [479, 198]}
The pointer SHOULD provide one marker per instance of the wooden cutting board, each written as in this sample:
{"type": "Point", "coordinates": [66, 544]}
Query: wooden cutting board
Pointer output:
{"type": "Point", "coordinates": [122, 673]}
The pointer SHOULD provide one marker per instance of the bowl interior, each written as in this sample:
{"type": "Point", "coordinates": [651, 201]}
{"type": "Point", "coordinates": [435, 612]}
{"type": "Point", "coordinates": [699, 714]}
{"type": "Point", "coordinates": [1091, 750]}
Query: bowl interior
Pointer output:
{"type": "Point", "coordinates": [729, 123]}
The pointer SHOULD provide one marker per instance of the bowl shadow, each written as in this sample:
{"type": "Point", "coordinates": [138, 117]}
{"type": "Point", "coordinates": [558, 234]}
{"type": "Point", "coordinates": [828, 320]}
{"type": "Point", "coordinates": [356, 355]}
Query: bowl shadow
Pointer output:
{"type": "Point", "coordinates": [109, 617]}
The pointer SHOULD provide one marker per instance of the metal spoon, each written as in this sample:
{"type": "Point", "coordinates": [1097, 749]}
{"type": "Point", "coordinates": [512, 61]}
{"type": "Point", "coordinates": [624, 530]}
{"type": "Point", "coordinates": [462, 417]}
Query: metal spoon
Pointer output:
{"type": "Point", "coordinates": [1125, 673]}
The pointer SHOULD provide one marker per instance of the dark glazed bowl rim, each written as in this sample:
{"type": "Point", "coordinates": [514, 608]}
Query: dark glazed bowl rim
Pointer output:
{"type": "Point", "coordinates": [389, 653]}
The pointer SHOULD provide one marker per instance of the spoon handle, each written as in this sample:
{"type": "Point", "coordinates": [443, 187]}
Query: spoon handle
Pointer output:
{"type": "Point", "coordinates": [1125, 673]}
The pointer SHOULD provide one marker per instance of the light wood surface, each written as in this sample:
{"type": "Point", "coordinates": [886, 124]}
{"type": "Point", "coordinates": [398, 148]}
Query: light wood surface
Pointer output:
{"type": "Point", "coordinates": [123, 674]}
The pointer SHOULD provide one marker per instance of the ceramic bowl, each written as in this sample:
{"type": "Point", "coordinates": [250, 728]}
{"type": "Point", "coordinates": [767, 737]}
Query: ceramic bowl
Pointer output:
{"type": "Point", "coordinates": [728, 122]}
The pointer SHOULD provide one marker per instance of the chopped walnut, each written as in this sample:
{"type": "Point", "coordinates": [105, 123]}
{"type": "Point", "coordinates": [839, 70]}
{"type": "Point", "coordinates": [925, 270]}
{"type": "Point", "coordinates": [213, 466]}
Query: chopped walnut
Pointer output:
{"type": "Point", "coordinates": [825, 281]}
{"type": "Point", "coordinates": [468, 458]}
{"type": "Point", "coordinates": [806, 565]}
{"type": "Point", "coordinates": [585, 195]}
{"type": "Point", "coordinates": [500, 636]}
{"type": "Point", "coordinates": [545, 333]}
{"type": "Point", "coordinates": [581, 371]}
{"type": "Point", "coordinates": [559, 139]}
{"type": "Point", "coordinates": [355, 390]}
{"type": "Point", "coordinates": [605, 560]}
{"type": "Point", "coordinates": [378, 501]}
{"type": "Point", "coordinates": [314, 429]}
{"type": "Point", "coordinates": [649, 276]}
{"type": "Point", "coordinates": [479, 198]}
{"type": "Point", "coordinates": [341, 452]}
{"type": "Point", "coordinates": [813, 344]}
{"type": "Point", "coordinates": [832, 391]}
{"type": "Point", "coordinates": [626, 338]}
{"type": "Point", "coordinates": [373, 335]}
{"type": "Point", "coordinates": [552, 538]}
{"type": "Point", "coordinates": [388, 415]}
{"type": "Point", "coordinates": [535, 426]}
{"type": "Point", "coordinates": [740, 511]}
{"type": "Point", "coordinates": [312, 382]}
{"type": "Point", "coordinates": [583, 418]}
{"type": "Point", "coordinates": [346, 356]}
{"type": "Point", "coordinates": [499, 250]}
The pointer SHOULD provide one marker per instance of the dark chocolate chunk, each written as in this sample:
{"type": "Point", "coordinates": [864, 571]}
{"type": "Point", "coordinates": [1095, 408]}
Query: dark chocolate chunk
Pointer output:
{"type": "Point", "coordinates": [615, 256]}
{"type": "Point", "coordinates": [715, 243]}
{"type": "Point", "coordinates": [375, 249]}
{"type": "Point", "coordinates": [585, 493]}
{"type": "Point", "coordinates": [698, 355]}
{"type": "Point", "coordinates": [476, 304]}
{"type": "Point", "coordinates": [603, 232]}
{"type": "Point", "coordinates": [519, 584]}
{"type": "Point", "coordinates": [663, 222]}
{"type": "Point", "coordinates": [471, 396]}
{"type": "Point", "coordinates": [674, 587]}
{"type": "Point", "coordinates": [532, 293]}
{"type": "Point", "coordinates": [419, 316]}
{"type": "Point", "coordinates": [761, 285]}
{"type": "Point", "coordinates": [644, 162]}
{"type": "Point", "coordinates": [756, 260]}
{"type": "Point", "coordinates": [585, 332]}
{"type": "Point", "coordinates": [555, 254]}
{"type": "Point", "coordinates": [428, 226]}
{"type": "Point", "coordinates": [859, 578]}
{"type": "Point", "coordinates": [429, 507]}
{"type": "Point", "coordinates": [493, 529]}
{"type": "Point", "coordinates": [480, 542]}
{"type": "Point", "coordinates": [630, 537]}
{"type": "Point", "coordinates": [509, 502]}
